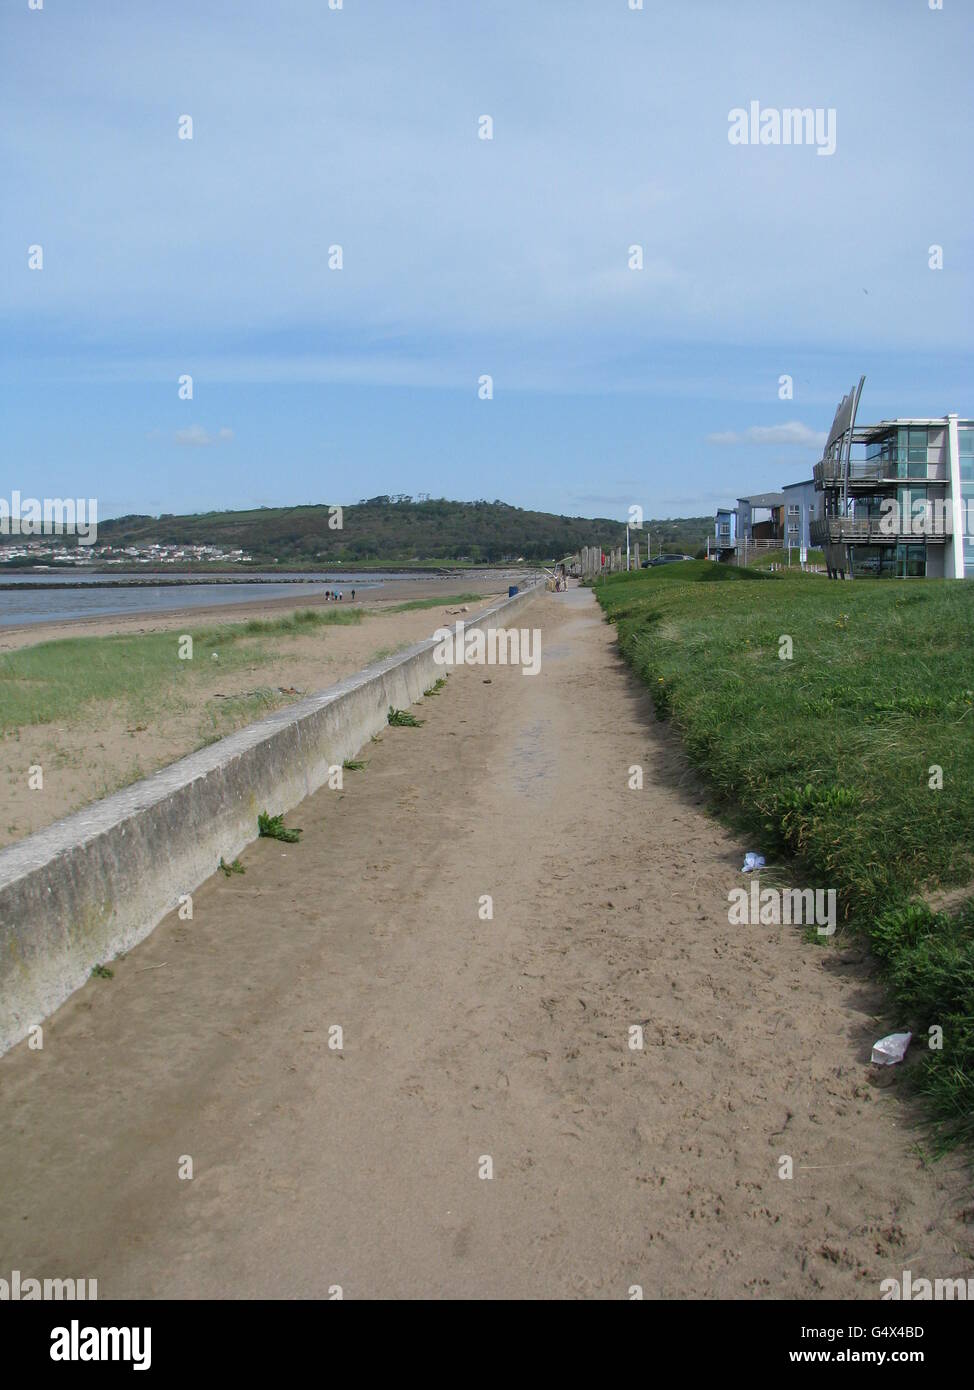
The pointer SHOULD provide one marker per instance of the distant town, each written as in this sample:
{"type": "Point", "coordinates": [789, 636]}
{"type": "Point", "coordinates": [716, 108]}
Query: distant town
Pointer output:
{"type": "Point", "coordinates": [37, 554]}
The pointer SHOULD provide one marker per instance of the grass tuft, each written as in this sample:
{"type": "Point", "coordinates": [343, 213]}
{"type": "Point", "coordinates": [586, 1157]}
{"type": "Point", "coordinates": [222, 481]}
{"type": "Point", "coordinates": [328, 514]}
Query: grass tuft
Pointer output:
{"type": "Point", "coordinates": [402, 719]}
{"type": "Point", "coordinates": [273, 828]}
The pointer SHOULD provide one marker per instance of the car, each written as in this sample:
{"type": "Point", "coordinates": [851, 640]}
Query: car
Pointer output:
{"type": "Point", "coordinates": [667, 559]}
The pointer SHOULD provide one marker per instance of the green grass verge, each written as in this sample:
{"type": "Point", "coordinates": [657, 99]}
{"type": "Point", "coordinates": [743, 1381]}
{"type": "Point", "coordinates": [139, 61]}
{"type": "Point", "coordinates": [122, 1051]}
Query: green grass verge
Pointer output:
{"type": "Point", "coordinates": [828, 758]}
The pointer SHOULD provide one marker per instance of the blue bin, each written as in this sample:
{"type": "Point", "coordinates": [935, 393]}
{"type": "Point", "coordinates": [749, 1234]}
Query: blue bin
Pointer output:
{"type": "Point", "coordinates": [512, 590]}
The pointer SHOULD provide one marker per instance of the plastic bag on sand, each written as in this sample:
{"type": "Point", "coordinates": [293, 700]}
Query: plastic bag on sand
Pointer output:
{"type": "Point", "coordinates": [891, 1049]}
{"type": "Point", "coordinates": [752, 862]}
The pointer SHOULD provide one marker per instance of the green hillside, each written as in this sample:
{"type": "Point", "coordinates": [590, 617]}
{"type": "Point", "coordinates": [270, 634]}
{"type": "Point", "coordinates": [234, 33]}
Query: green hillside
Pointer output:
{"type": "Point", "coordinates": [380, 530]}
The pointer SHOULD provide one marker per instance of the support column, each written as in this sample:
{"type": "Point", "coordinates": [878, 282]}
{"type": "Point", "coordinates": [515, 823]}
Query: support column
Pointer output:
{"type": "Point", "coordinates": [954, 548]}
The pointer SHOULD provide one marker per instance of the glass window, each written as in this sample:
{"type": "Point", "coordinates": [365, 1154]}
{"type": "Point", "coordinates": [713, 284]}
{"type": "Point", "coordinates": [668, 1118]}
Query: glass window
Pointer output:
{"type": "Point", "coordinates": [866, 561]}
{"type": "Point", "coordinates": [876, 561]}
{"type": "Point", "coordinates": [911, 561]}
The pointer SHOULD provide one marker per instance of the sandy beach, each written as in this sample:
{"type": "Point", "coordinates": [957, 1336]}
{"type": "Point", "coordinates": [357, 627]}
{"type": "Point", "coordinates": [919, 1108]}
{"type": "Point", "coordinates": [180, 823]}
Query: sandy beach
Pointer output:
{"type": "Point", "coordinates": [109, 744]}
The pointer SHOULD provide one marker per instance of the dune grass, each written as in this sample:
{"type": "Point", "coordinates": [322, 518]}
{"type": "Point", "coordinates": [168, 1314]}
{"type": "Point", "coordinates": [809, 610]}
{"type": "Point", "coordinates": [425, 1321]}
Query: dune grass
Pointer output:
{"type": "Point", "coordinates": [299, 621]}
{"type": "Point", "coordinates": [54, 680]}
{"type": "Point", "coordinates": [416, 603]}
{"type": "Point", "coordinates": [830, 759]}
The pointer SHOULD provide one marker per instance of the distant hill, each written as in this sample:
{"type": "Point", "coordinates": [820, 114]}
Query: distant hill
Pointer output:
{"type": "Point", "coordinates": [380, 530]}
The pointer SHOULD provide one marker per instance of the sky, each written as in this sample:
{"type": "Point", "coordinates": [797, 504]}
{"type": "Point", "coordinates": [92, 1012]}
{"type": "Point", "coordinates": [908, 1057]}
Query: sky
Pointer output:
{"type": "Point", "coordinates": [465, 257]}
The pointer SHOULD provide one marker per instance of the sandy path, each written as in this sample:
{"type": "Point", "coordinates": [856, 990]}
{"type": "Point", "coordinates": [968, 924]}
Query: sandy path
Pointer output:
{"type": "Point", "coordinates": [465, 1038]}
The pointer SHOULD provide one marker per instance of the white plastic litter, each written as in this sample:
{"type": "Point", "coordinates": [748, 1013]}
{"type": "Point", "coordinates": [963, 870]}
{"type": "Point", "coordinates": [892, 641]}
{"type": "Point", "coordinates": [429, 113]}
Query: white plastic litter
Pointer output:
{"type": "Point", "coordinates": [892, 1049]}
{"type": "Point", "coordinates": [752, 862]}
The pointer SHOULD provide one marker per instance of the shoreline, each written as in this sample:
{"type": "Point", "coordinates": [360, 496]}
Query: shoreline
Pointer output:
{"type": "Point", "coordinates": [167, 580]}
{"type": "Point", "coordinates": [377, 596]}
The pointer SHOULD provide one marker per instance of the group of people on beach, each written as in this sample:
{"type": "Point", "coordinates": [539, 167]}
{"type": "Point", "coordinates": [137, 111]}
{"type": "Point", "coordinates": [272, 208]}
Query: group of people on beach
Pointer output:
{"type": "Point", "coordinates": [337, 595]}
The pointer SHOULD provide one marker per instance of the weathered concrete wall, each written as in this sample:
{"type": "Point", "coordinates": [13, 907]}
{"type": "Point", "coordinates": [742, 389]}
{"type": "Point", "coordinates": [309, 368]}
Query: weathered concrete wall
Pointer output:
{"type": "Point", "coordinates": [78, 892]}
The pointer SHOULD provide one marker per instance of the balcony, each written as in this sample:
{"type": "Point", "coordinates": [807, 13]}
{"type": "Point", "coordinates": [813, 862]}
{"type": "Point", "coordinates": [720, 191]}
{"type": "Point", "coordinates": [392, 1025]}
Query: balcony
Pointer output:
{"type": "Point", "coordinates": [866, 473]}
{"type": "Point", "coordinates": [863, 530]}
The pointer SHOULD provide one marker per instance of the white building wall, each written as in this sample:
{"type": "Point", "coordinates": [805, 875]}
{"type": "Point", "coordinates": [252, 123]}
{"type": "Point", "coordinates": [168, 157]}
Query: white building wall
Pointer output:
{"type": "Point", "coordinates": [954, 548]}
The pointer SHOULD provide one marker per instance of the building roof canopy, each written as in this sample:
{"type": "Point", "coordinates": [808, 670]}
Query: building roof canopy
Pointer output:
{"type": "Point", "coordinates": [764, 499]}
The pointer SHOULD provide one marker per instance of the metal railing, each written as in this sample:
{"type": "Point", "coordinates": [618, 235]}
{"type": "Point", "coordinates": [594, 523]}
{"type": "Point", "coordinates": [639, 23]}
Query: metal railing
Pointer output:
{"type": "Point", "coordinates": [781, 543]}
{"type": "Point", "coordinates": [829, 472]}
{"type": "Point", "coordinates": [839, 530]}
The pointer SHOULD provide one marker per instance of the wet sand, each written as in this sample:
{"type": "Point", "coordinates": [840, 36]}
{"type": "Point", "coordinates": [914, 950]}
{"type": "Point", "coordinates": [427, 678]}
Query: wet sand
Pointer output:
{"type": "Point", "coordinates": [378, 597]}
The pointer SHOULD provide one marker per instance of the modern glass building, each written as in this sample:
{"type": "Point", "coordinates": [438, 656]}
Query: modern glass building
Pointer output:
{"type": "Point", "coordinates": [897, 497]}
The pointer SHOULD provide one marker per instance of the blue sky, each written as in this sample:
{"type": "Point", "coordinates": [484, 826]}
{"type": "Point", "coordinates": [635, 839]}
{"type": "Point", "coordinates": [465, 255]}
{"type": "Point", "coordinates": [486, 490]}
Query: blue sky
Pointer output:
{"type": "Point", "coordinates": [462, 257]}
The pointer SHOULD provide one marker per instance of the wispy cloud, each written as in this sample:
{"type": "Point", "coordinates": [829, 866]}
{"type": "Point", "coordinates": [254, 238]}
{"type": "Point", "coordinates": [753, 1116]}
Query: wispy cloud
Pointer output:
{"type": "Point", "coordinates": [792, 433]}
{"type": "Point", "coordinates": [196, 437]}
